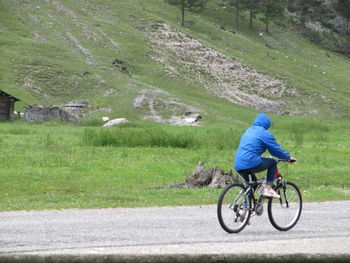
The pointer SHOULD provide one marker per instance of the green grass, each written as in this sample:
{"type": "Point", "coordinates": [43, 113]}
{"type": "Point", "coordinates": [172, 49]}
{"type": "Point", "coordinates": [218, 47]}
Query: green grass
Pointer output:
{"type": "Point", "coordinates": [162, 136]}
{"type": "Point", "coordinates": [54, 166]}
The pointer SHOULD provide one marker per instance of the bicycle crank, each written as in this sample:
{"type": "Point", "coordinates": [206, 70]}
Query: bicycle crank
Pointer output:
{"type": "Point", "coordinates": [259, 208]}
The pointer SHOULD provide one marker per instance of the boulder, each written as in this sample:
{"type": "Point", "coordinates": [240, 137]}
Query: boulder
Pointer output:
{"type": "Point", "coordinates": [115, 122]}
{"type": "Point", "coordinates": [188, 119]}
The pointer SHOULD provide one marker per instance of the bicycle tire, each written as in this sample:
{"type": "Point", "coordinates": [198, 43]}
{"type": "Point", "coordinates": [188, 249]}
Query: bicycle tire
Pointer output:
{"type": "Point", "coordinates": [229, 204]}
{"type": "Point", "coordinates": [285, 212]}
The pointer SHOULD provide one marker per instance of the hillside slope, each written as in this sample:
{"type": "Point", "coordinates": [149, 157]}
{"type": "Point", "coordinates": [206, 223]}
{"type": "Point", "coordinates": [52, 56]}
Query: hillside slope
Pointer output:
{"type": "Point", "coordinates": [113, 52]}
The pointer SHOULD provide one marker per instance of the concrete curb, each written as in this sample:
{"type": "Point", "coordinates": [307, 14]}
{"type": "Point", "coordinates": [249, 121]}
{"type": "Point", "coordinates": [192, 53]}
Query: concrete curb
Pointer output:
{"type": "Point", "coordinates": [183, 258]}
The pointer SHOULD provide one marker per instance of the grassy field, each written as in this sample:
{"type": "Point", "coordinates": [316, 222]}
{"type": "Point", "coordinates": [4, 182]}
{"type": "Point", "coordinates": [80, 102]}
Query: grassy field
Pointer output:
{"type": "Point", "coordinates": [55, 166]}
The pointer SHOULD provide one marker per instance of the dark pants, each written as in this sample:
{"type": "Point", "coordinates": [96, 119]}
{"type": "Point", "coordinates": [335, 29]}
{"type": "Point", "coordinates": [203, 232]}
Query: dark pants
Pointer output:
{"type": "Point", "coordinates": [268, 164]}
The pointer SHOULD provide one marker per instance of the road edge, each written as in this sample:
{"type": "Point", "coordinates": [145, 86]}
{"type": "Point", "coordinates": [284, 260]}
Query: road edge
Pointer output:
{"type": "Point", "coordinates": [183, 258]}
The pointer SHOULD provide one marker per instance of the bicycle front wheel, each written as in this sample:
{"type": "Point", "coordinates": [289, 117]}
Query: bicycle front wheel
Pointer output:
{"type": "Point", "coordinates": [285, 212]}
{"type": "Point", "coordinates": [233, 211]}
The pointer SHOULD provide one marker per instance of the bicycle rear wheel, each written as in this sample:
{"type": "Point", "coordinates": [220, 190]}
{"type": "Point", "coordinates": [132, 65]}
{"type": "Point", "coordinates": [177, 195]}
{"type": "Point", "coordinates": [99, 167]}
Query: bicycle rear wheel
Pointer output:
{"type": "Point", "coordinates": [230, 207]}
{"type": "Point", "coordinates": [285, 212]}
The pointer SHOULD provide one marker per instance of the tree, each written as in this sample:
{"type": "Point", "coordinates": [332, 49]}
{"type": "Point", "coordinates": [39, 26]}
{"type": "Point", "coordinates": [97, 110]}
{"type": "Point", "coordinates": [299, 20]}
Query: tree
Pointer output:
{"type": "Point", "coordinates": [253, 7]}
{"type": "Point", "coordinates": [194, 6]}
{"type": "Point", "coordinates": [272, 9]}
{"type": "Point", "coordinates": [235, 5]}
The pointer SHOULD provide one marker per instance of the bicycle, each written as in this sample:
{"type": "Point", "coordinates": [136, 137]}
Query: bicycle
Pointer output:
{"type": "Point", "coordinates": [238, 202]}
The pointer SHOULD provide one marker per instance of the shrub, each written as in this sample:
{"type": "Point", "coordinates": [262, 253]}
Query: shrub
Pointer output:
{"type": "Point", "coordinates": [138, 137]}
{"type": "Point", "coordinates": [162, 136]}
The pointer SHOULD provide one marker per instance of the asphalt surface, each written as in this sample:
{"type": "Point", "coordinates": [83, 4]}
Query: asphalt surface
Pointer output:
{"type": "Point", "coordinates": [324, 228]}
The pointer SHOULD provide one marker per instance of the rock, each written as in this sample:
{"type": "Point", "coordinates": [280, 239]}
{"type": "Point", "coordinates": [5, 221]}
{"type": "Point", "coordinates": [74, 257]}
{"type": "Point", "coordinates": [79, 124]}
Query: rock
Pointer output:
{"type": "Point", "coordinates": [192, 117]}
{"type": "Point", "coordinates": [154, 101]}
{"type": "Point", "coordinates": [269, 46]}
{"type": "Point", "coordinates": [76, 107]}
{"type": "Point", "coordinates": [120, 65]}
{"type": "Point", "coordinates": [105, 119]}
{"type": "Point", "coordinates": [154, 118]}
{"type": "Point", "coordinates": [77, 103]}
{"type": "Point", "coordinates": [187, 119]}
{"type": "Point", "coordinates": [46, 113]}
{"type": "Point", "coordinates": [190, 22]}
{"type": "Point", "coordinates": [115, 122]}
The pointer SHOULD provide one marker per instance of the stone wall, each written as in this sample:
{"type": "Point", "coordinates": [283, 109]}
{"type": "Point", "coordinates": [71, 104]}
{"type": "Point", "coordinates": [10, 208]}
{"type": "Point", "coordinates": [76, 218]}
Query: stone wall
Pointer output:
{"type": "Point", "coordinates": [46, 113]}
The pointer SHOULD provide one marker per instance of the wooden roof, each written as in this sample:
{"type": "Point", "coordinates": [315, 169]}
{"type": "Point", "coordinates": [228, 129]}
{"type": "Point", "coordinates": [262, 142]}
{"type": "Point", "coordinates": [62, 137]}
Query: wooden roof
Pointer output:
{"type": "Point", "coordinates": [8, 95]}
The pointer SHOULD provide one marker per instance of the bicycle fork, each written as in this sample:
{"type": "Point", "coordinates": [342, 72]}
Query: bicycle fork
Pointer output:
{"type": "Point", "coordinates": [284, 194]}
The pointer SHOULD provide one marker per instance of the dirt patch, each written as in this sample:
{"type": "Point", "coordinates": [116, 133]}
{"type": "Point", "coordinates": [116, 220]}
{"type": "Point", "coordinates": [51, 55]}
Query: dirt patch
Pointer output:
{"type": "Point", "coordinates": [222, 75]}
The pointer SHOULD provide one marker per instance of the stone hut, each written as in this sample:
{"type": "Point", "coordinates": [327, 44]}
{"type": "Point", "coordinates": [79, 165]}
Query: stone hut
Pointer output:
{"type": "Point", "coordinates": [7, 106]}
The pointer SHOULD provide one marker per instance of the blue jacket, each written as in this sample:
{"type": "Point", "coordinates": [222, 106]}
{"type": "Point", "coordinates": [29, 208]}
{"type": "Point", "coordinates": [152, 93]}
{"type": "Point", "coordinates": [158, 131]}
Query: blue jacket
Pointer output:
{"type": "Point", "coordinates": [254, 142]}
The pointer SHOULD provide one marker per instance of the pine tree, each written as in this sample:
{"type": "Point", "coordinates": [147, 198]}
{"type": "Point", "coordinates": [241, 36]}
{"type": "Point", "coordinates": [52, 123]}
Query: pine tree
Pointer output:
{"type": "Point", "coordinates": [253, 7]}
{"type": "Point", "coordinates": [194, 6]}
{"type": "Point", "coordinates": [236, 6]}
{"type": "Point", "coordinates": [271, 9]}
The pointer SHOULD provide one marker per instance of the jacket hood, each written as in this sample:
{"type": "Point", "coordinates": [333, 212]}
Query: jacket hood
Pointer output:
{"type": "Point", "coordinates": [262, 120]}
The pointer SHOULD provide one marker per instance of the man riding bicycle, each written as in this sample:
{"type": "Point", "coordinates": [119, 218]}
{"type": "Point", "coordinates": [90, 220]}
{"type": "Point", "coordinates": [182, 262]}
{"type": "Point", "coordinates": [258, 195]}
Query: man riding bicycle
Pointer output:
{"type": "Point", "coordinates": [254, 142]}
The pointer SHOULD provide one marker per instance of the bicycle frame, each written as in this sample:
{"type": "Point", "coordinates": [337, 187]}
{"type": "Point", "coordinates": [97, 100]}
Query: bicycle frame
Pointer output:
{"type": "Point", "coordinates": [249, 193]}
{"type": "Point", "coordinates": [252, 185]}
{"type": "Point", "coordinates": [282, 182]}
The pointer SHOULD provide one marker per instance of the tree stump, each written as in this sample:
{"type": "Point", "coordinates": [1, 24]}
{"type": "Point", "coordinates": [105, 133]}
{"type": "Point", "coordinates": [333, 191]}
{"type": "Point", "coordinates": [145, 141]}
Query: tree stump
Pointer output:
{"type": "Point", "coordinates": [208, 177]}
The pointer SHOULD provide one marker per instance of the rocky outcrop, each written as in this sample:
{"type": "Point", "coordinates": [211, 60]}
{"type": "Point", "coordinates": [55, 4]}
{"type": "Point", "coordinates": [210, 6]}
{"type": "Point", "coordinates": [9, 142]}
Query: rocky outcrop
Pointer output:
{"type": "Point", "coordinates": [222, 75]}
{"type": "Point", "coordinates": [42, 113]}
{"type": "Point", "coordinates": [153, 102]}
{"type": "Point", "coordinates": [76, 107]}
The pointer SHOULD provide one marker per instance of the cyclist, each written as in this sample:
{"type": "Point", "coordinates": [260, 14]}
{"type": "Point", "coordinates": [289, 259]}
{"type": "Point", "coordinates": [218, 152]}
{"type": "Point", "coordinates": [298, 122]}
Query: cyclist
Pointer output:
{"type": "Point", "coordinates": [254, 142]}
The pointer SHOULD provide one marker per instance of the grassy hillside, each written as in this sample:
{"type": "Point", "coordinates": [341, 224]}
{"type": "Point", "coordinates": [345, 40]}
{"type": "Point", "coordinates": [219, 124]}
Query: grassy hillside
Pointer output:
{"type": "Point", "coordinates": [56, 51]}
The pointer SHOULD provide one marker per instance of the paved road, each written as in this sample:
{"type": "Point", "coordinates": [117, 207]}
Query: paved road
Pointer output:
{"type": "Point", "coordinates": [323, 228]}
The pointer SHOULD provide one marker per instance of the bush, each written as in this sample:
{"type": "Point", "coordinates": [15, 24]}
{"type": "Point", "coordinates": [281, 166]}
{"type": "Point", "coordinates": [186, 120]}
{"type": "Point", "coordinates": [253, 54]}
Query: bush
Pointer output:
{"type": "Point", "coordinates": [162, 136]}
{"type": "Point", "coordinates": [138, 137]}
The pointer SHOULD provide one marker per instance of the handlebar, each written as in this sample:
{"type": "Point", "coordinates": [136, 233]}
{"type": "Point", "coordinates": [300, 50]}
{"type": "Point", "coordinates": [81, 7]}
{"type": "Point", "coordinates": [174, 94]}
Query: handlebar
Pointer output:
{"type": "Point", "coordinates": [288, 161]}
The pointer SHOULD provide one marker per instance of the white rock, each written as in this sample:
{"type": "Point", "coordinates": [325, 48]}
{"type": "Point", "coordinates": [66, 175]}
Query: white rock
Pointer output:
{"type": "Point", "coordinates": [105, 119]}
{"type": "Point", "coordinates": [115, 122]}
{"type": "Point", "coordinates": [190, 120]}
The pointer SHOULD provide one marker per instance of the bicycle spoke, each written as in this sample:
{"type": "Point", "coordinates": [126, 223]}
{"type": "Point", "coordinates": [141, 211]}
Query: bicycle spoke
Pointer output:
{"type": "Point", "coordinates": [231, 214]}
{"type": "Point", "coordinates": [285, 211]}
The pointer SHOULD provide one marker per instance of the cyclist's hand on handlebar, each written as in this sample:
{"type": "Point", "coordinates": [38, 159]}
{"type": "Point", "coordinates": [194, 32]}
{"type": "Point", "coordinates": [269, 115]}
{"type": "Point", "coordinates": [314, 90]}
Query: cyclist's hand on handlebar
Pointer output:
{"type": "Point", "coordinates": [292, 160]}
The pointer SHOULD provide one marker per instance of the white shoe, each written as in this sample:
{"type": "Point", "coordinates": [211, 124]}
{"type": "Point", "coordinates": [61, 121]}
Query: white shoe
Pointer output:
{"type": "Point", "coordinates": [242, 213]}
{"type": "Point", "coordinates": [269, 192]}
